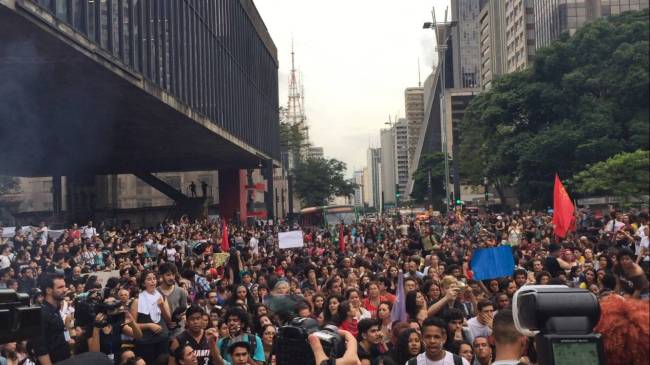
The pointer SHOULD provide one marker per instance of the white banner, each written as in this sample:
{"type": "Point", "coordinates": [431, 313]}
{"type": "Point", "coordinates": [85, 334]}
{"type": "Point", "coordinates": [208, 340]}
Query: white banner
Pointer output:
{"type": "Point", "coordinates": [292, 239]}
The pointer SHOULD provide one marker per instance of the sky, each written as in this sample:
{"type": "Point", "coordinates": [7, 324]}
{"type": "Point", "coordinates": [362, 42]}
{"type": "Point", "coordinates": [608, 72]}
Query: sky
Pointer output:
{"type": "Point", "coordinates": [356, 57]}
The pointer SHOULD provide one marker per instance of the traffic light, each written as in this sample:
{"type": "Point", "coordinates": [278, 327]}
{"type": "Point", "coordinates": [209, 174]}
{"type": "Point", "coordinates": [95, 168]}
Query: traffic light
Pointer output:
{"type": "Point", "coordinates": [397, 191]}
{"type": "Point", "coordinates": [459, 202]}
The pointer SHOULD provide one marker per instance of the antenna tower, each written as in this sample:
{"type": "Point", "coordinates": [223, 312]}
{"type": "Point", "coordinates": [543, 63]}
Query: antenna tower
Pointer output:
{"type": "Point", "coordinates": [295, 110]}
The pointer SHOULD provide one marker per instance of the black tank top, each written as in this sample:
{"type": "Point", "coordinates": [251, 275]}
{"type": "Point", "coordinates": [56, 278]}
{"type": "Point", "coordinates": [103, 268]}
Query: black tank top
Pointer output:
{"type": "Point", "coordinates": [201, 348]}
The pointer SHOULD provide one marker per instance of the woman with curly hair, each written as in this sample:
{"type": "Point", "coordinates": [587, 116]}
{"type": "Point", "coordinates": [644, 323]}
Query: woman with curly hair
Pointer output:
{"type": "Point", "coordinates": [625, 327]}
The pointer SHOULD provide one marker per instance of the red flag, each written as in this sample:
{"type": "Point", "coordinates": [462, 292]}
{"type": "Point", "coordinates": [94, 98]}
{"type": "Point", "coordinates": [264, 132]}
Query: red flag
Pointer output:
{"type": "Point", "coordinates": [341, 239]}
{"type": "Point", "coordinates": [225, 245]}
{"type": "Point", "coordinates": [563, 210]}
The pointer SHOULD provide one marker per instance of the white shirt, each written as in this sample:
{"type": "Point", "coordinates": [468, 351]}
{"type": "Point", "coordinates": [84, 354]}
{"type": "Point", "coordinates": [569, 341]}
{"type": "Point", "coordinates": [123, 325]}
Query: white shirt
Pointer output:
{"type": "Point", "coordinates": [447, 360]}
{"type": "Point", "coordinates": [88, 232]}
{"type": "Point", "coordinates": [477, 329]}
{"type": "Point", "coordinates": [644, 243]}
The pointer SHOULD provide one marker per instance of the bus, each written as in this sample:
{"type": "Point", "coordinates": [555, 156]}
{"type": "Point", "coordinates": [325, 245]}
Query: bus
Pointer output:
{"type": "Point", "coordinates": [329, 215]}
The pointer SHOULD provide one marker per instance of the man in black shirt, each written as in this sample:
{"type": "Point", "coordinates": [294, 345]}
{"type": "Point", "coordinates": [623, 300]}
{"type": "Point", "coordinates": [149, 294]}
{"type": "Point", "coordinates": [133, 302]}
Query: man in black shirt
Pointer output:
{"type": "Point", "coordinates": [51, 346]}
{"type": "Point", "coordinates": [550, 263]}
{"type": "Point", "coordinates": [203, 342]}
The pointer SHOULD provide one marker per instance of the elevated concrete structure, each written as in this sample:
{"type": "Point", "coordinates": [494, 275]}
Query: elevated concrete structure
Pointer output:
{"type": "Point", "coordinates": [135, 86]}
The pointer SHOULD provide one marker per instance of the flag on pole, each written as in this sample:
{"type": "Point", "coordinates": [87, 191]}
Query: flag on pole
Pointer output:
{"type": "Point", "coordinates": [225, 245]}
{"type": "Point", "coordinates": [398, 313]}
{"type": "Point", "coordinates": [563, 210]}
{"type": "Point", "coordinates": [341, 239]}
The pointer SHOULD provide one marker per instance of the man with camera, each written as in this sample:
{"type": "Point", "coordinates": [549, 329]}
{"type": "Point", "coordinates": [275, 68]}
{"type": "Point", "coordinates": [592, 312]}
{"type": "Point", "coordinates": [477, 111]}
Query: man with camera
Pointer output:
{"type": "Point", "coordinates": [106, 332]}
{"type": "Point", "coordinates": [51, 346]}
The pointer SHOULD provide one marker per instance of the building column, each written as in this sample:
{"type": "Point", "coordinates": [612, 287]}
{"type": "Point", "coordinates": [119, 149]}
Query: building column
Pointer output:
{"type": "Point", "coordinates": [232, 194]}
{"type": "Point", "coordinates": [57, 195]}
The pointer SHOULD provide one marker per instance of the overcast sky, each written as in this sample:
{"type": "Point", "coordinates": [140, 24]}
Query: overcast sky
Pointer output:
{"type": "Point", "coordinates": [356, 58]}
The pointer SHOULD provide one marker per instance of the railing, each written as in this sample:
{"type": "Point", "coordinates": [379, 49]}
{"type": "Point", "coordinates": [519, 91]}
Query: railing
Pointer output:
{"type": "Point", "coordinates": [208, 54]}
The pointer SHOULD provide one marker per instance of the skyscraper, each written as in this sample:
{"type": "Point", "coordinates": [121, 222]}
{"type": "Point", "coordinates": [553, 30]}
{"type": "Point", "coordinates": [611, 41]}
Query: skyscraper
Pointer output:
{"type": "Point", "coordinates": [387, 140]}
{"type": "Point", "coordinates": [492, 44]}
{"type": "Point", "coordinates": [374, 178]}
{"type": "Point", "coordinates": [465, 43]}
{"type": "Point", "coordinates": [414, 108]}
{"type": "Point", "coordinates": [401, 154]}
{"type": "Point", "coordinates": [519, 34]}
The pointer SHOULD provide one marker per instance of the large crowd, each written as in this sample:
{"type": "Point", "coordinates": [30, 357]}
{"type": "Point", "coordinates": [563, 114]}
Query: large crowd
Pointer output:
{"type": "Point", "coordinates": [199, 292]}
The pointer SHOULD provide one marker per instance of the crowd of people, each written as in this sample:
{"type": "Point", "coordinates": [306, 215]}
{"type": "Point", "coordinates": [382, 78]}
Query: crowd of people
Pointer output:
{"type": "Point", "coordinates": [201, 292]}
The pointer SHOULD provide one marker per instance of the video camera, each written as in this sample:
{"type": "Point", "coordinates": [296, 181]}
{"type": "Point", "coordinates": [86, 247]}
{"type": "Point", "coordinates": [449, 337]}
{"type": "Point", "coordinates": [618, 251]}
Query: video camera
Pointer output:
{"type": "Point", "coordinates": [292, 346]}
{"type": "Point", "coordinates": [18, 320]}
{"type": "Point", "coordinates": [89, 304]}
{"type": "Point", "coordinates": [561, 320]}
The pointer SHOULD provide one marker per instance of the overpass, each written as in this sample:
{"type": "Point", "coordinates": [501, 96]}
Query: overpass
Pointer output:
{"type": "Point", "coordinates": [93, 87]}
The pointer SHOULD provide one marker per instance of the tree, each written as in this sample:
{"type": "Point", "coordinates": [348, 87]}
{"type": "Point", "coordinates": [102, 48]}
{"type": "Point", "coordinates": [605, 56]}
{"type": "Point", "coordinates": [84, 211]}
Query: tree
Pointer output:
{"type": "Point", "coordinates": [436, 163]}
{"type": "Point", "coordinates": [624, 175]}
{"type": "Point", "coordinates": [584, 100]}
{"type": "Point", "coordinates": [318, 179]}
{"type": "Point", "coordinates": [292, 136]}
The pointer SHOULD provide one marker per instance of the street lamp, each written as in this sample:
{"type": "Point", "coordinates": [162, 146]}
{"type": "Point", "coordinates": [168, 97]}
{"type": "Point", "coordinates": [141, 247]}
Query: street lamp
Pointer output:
{"type": "Point", "coordinates": [442, 31]}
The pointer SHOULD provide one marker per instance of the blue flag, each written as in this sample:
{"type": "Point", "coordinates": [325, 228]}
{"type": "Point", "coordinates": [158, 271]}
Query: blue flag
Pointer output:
{"type": "Point", "coordinates": [490, 263]}
{"type": "Point", "coordinates": [399, 307]}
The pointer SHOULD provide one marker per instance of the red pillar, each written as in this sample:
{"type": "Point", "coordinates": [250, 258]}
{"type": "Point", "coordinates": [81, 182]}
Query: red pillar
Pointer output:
{"type": "Point", "coordinates": [232, 194]}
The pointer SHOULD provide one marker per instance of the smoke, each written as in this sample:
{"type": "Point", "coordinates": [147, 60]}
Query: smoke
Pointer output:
{"type": "Point", "coordinates": [429, 57]}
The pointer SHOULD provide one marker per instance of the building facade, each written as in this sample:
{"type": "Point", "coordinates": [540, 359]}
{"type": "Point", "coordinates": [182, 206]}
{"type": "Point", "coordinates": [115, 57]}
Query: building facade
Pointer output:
{"type": "Point", "coordinates": [465, 39]}
{"type": "Point", "coordinates": [373, 156]}
{"type": "Point", "coordinates": [519, 34]}
{"type": "Point", "coordinates": [357, 198]}
{"type": "Point", "coordinates": [492, 45]}
{"type": "Point", "coordinates": [315, 152]}
{"type": "Point", "coordinates": [387, 140]}
{"type": "Point", "coordinates": [401, 155]}
{"type": "Point", "coordinates": [414, 108]}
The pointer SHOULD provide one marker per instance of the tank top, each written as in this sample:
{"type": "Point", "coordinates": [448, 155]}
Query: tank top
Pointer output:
{"type": "Point", "coordinates": [201, 348]}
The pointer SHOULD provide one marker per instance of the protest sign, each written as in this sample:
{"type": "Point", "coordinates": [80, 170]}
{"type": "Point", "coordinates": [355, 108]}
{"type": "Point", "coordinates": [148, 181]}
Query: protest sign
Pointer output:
{"type": "Point", "coordinates": [490, 263]}
{"type": "Point", "coordinates": [292, 239]}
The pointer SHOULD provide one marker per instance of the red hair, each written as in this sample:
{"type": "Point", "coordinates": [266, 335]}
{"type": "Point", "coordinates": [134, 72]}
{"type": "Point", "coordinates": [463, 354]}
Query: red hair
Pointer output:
{"type": "Point", "coordinates": [624, 326]}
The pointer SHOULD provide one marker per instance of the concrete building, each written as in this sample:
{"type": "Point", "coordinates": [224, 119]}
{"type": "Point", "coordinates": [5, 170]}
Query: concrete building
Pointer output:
{"type": "Point", "coordinates": [554, 17]}
{"type": "Point", "coordinates": [387, 140]}
{"type": "Point", "coordinates": [519, 34]}
{"type": "Point", "coordinates": [465, 43]}
{"type": "Point", "coordinates": [315, 152]}
{"type": "Point", "coordinates": [373, 189]}
{"type": "Point", "coordinates": [358, 189]}
{"type": "Point", "coordinates": [414, 108]}
{"type": "Point", "coordinates": [401, 155]}
{"type": "Point", "coordinates": [492, 33]}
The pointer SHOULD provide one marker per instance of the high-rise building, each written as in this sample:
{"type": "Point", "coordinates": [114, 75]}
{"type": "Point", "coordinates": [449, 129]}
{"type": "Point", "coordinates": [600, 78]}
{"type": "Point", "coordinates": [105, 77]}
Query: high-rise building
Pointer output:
{"type": "Point", "coordinates": [519, 34]}
{"type": "Point", "coordinates": [374, 178]}
{"type": "Point", "coordinates": [615, 7]}
{"type": "Point", "coordinates": [465, 43]}
{"type": "Point", "coordinates": [315, 152]}
{"type": "Point", "coordinates": [358, 189]}
{"type": "Point", "coordinates": [492, 44]}
{"type": "Point", "coordinates": [554, 17]}
{"type": "Point", "coordinates": [414, 108]}
{"type": "Point", "coordinates": [401, 155]}
{"type": "Point", "coordinates": [387, 140]}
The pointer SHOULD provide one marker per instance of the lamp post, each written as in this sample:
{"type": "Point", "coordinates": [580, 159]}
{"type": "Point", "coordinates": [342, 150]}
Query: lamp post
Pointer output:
{"type": "Point", "coordinates": [442, 32]}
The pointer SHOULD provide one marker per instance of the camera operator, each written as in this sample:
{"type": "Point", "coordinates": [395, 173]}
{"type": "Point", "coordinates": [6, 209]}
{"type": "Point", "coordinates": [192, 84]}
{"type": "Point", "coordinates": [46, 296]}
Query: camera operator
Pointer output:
{"type": "Point", "coordinates": [51, 346]}
{"type": "Point", "coordinates": [105, 334]}
{"type": "Point", "coordinates": [349, 358]}
{"type": "Point", "coordinates": [510, 344]}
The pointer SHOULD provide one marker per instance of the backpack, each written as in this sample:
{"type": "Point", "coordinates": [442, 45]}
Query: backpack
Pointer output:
{"type": "Point", "coordinates": [457, 360]}
{"type": "Point", "coordinates": [252, 343]}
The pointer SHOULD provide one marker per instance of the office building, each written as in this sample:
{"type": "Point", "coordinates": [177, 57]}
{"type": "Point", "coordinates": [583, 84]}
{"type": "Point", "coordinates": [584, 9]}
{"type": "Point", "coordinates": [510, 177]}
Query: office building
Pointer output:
{"type": "Point", "coordinates": [492, 45]}
{"type": "Point", "coordinates": [358, 188]}
{"type": "Point", "coordinates": [374, 177]}
{"type": "Point", "coordinates": [465, 43]}
{"type": "Point", "coordinates": [401, 155]}
{"type": "Point", "coordinates": [414, 107]}
{"type": "Point", "coordinates": [387, 141]}
{"type": "Point", "coordinates": [519, 34]}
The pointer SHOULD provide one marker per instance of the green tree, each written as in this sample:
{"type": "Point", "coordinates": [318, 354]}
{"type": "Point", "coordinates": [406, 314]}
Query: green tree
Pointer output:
{"type": "Point", "coordinates": [436, 163]}
{"type": "Point", "coordinates": [292, 136]}
{"type": "Point", "coordinates": [625, 175]}
{"type": "Point", "coordinates": [584, 100]}
{"type": "Point", "coordinates": [319, 179]}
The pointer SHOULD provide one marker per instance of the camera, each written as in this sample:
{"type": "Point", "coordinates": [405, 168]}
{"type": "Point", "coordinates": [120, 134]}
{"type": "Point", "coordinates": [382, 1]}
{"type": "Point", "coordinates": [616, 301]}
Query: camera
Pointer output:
{"type": "Point", "coordinates": [561, 320]}
{"type": "Point", "coordinates": [18, 320]}
{"type": "Point", "coordinates": [89, 304]}
{"type": "Point", "coordinates": [292, 346]}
